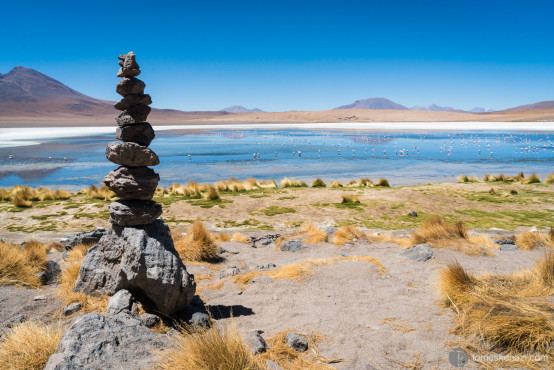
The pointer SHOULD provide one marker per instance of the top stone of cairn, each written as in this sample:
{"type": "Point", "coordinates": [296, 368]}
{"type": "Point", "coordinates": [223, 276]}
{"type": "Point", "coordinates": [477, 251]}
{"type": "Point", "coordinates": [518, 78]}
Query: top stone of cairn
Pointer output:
{"type": "Point", "coordinates": [129, 66]}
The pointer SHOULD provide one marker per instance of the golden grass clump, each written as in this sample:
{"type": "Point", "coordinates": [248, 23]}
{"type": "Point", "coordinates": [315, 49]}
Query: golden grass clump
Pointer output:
{"type": "Point", "coordinates": [69, 275]}
{"type": "Point", "coordinates": [29, 345]}
{"type": "Point", "coordinates": [99, 193]}
{"type": "Point", "coordinates": [505, 313]}
{"type": "Point", "coordinates": [350, 198]}
{"type": "Point", "coordinates": [19, 199]}
{"type": "Point", "coordinates": [382, 182]}
{"type": "Point", "coordinates": [298, 272]}
{"type": "Point", "coordinates": [212, 194]}
{"type": "Point", "coordinates": [222, 237]}
{"type": "Point", "coordinates": [19, 267]}
{"type": "Point", "coordinates": [198, 245]}
{"type": "Point", "coordinates": [314, 234]}
{"type": "Point", "coordinates": [529, 240]}
{"type": "Point", "coordinates": [533, 179]}
{"type": "Point", "coordinates": [292, 183]}
{"type": "Point", "coordinates": [211, 349]}
{"type": "Point", "coordinates": [336, 184]}
{"type": "Point", "coordinates": [492, 191]}
{"type": "Point", "coordinates": [550, 179]}
{"type": "Point", "coordinates": [288, 358]}
{"type": "Point", "coordinates": [4, 195]}
{"type": "Point", "coordinates": [348, 234]}
{"type": "Point", "coordinates": [35, 252]}
{"type": "Point", "coordinates": [437, 229]}
{"type": "Point", "coordinates": [319, 183]}
{"type": "Point", "coordinates": [238, 237]}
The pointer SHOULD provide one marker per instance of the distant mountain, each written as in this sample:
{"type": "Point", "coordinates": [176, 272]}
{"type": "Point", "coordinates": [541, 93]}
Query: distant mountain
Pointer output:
{"type": "Point", "coordinates": [25, 92]}
{"type": "Point", "coordinates": [481, 110]}
{"type": "Point", "coordinates": [373, 103]}
{"type": "Point", "coordinates": [240, 109]}
{"type": "Point", "coordinates": [535, 106]}
{"type": "Point", "coordinates": [436, 108]}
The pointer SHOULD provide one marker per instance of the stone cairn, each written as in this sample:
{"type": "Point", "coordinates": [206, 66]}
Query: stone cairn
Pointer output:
{"type": "Point", "coordinates": [137, 254]}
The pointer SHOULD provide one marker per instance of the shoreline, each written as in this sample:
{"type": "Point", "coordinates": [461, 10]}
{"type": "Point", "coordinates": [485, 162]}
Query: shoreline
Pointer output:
{"type": "Point", "coordinates": [25, 136]}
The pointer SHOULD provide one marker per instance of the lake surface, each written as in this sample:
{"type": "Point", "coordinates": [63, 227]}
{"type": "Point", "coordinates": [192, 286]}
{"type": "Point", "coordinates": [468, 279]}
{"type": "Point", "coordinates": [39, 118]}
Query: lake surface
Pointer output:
{"type": "Point", "coordinates": [404, 158]}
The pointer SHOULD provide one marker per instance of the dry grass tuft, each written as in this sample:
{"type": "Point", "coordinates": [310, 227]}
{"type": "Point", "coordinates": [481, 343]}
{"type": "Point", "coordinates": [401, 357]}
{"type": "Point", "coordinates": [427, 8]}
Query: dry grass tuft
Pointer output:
{"type": "Point", "coordinates": [382, 182]}
{"type": "Point", "coordinates": [288, 358]}
{"type": "Point", "coordinates": [103, 192]}
{"type": "Point", "coordinates": [19, 267]}
{"type": "Point", "coordinates": [348, 234]}
{"type": "Point", "coordinates": [350, 198]}
{"type": "Point", "coordinates": [212, 194]}
{"type": "Point", "coordinates": [292, 183]}
{"type": "Point", "coordinates": [298, 272]}
{"type": "Point", "coordinates": [550, 179]}
{"type": "Point", "coordinates": [314, 234]}
{"type": "Point", "coordinates": [238, 237]}
{"type": "Point", "coordinates": [29, 345]}
{"type": "Point", "coordinates": [198, 245]}
{"type": "Point", "coordinates": [18, 200]}
{"type": "Point", "coordinates": [222, 237]}
{"type": "Point", "coordinates": [528, 240]}
{"type": "Point", "coordinates": [69, 275]}
{"type": "Point", "coordinates": [437, 229]}
{"type": "Point", "coordinates": [336, 184]}
{"type": "Point", "coordinates": [211, 349]}
{"type": "Point", "coordinates": [505, 313]}
{"type": "Point", "coordinates": [466, 178]}
{"type": "Point", "coordinates": [533, 179]}
{"type": "Point", "coordinates": [319, 183]}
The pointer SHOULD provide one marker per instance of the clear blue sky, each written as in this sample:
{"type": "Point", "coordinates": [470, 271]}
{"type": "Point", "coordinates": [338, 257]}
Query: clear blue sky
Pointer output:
{"type": "Point", "coordinates": [292, 55]}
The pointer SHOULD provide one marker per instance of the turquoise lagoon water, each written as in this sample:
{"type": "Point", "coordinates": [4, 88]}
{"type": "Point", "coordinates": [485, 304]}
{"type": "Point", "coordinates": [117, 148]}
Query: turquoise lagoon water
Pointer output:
{"type": "Point", "coordinates": [404, 158]}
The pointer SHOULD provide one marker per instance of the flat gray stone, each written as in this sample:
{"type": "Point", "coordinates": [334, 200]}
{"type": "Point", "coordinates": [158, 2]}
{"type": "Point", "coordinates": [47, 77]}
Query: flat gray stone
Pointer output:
{"type": "Point", "coordinates": [15, 320]}
{"type": "Point", "coordinates": [149, 320]}
{"type": "Point", "coordinates": [508, 247]}
{"type": "Point", "coordinates": [131, 154]}
{"type": "Point", "coordinates": [71, 308]}
{"type": "Point", "coordinates": [131, 100]}
{"type": "Point", "coordinates": [97, 341]}
{"type": "Point", "coordinates": [418, 252]}
{"type": "Point", "coordinates": [229, 272]}
{"type": "Point", "coordinates": [272, 365]}
{"type": "Point", "coordinates": [292, 246]}
{"type": "Point", "coordinates": [262, 279]}
{"type": "Point", "coordinates": [130, 183]}
{"type": "Point", "coordinates": [200, 319]}
{"type": "Point", "coordinates": [256, 342]}
{"type": "Point", "coordinates": [122, 301]}
{"type": "Point", "coordinates": [133, 114]}
{"type": "Point", "coordinates": [130, 86]}
{"type": "Point", "coordinates": [142, 260]}
{"type": "Point", "coordinates": [139, 133]}
{"type": "Point", "coordinates": [134, 212]}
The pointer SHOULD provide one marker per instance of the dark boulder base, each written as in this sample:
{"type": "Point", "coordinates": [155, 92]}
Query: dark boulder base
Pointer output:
{"type": "Point", "coordinates": [134, 212]}
{"type": "Point", "coordinates": [131, 154]}
{"type": "Point", "coordinates": [97, 341]}
{"type": "Point", "coordinates": [140, 133]}
{"type": "Point", "coordinates": [133, 182]}
{"type": "Point", "coordinates": [143, 261]}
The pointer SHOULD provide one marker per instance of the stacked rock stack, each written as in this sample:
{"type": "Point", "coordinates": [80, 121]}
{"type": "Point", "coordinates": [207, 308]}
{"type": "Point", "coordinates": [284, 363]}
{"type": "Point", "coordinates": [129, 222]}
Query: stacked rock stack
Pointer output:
{"type": "Point", "coordinates": [137, 254]}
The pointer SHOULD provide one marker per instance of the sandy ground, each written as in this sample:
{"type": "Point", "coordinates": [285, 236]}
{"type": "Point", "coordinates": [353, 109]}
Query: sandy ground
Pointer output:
{"type": "Point", "coordinates": [335, 115]}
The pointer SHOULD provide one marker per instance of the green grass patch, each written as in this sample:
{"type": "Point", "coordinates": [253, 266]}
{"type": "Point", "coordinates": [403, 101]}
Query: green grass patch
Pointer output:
{"type": "Point", "coordinates": [275, 210]}
{"type": "Point", "coordinates": [285, 198]}
{"type": "Point", "coordinates": [205, 203]}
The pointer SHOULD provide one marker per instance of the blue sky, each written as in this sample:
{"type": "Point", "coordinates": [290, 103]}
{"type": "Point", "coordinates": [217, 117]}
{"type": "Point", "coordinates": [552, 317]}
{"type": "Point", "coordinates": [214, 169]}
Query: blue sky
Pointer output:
{"type": "Point", "coordinates": [292, 55]}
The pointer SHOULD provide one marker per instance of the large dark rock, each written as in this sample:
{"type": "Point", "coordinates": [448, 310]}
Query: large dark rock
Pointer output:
{"type": "Point", "coordinates": [130, 86]}
{"type": "Point", "coordinates": [131, 100]}
{"type": "Point", "coordinates": [134, 212]}
{"type": "Point", "coordinates": [143, 261]}
{"type": "Point", "coordinates": [85, 237]}
{"type": "Point", "coordinates": [131, 154]}
{"type": "Point", "coordinates": [97, 341]}
{"type": "Point", "coordinates": [140, 133]}
{"type": "Point", "coordinates": [133, 182]}
{"type": "Point", "coordinates": [133, 114]}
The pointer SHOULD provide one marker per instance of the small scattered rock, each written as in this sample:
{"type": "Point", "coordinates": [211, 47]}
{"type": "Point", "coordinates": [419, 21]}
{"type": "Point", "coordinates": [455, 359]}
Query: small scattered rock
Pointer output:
{"type": "Point", "coordinates": [200, 319]}
{"type": "Point", "coordinates": [149, 320]}
{"type": "Point", "coordinates": [71, 308]}
{"type": "Point", "coordinates": [504, 241]}
{"type": "Point", "coordinates": [122, 301]}
{"type": "Point", "coordinates": [256, 342]}
{"type": "Point", "coordinates": [412, 213]}
{"type": "Point", "coordinates": [418, 252]}
{"type": "Point", "coordinates": [229, 272]}
{"type": "Point", "coordinates": [348, 244]}
{"type": "Point", "coordinates": [291, 246]}
{"type": "Point", "coordinates": [330, 230]}
{"type": "Point", "coordinates": [296, 342]}
{"type": "Point", "coordinates": [16, 320]}
{"type": "Point", "coordinates": [534, 229]}
{"type": "Point", "coordinates": [268, 266]}
{"type": "Point", "coordinates": [272, 365]}
{"type": "Point", "coordinates": [264, 240]}
{"type": "Point", "coordinates": [263, 279]}
{"type": "Point", "coordinates": [40, 298]}
{"type": "Point", "coordinates": [50, 274]}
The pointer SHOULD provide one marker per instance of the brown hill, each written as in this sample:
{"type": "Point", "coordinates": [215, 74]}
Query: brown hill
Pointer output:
{"type": "Point", "coordinates": [26, 93]}
{"type": "Point", "coordinates": [549, 104]}
{"type": "Point", "coordinates": [373, 103]}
